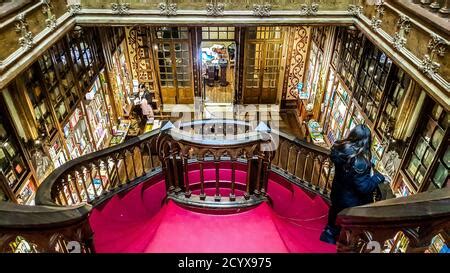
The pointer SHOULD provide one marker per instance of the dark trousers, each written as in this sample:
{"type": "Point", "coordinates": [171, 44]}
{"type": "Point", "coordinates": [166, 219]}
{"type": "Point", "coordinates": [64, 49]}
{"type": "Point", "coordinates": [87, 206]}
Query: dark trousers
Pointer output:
{"type": "Point", "coordinates": [332, 215]}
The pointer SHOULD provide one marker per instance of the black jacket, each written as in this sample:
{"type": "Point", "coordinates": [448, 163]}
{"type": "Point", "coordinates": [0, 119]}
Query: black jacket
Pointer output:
{"type": "Point", "coordinates": [352, 185]}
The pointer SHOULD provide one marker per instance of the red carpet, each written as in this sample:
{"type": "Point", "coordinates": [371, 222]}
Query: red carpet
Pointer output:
{"type": "Point", "coordinates": [139, 222]}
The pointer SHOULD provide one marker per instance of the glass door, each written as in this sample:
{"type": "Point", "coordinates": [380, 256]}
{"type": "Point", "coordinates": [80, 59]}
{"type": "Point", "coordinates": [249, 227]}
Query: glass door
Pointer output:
{"type": "Point", "coordinates": [174, 64]}
{"type": "Point", "coordinates": [253, 63]}
{"type": "Point", "coordinates": [262, 64]}
{"type": "Point", "coordinates": [271, 72]}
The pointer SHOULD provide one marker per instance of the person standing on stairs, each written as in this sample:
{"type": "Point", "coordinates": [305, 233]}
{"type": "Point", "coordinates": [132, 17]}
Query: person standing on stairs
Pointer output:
{"type": "Point", "coordinates": [355, 179]}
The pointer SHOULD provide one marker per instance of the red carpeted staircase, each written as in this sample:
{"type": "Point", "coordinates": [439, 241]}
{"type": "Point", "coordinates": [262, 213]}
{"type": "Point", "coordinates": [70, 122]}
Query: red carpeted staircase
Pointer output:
{"type": "Point", "coordinates": [140, 221]}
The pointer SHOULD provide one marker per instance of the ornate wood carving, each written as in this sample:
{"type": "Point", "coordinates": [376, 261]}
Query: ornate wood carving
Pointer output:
{"type": "Point", "coordinates": [298, 60]}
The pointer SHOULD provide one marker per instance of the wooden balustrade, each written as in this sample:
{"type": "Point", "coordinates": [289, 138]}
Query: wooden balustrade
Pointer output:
{"type": "Point", "coordinates": [183, 151]}
{"type": "Point", "coordinates": [375, 227]}
{"type": "Point", "coordinates": [304, 163]}
{"type": "Point", "coordinates": [93, 178]}
{"type": "Point", "coordinates": [237, 158]}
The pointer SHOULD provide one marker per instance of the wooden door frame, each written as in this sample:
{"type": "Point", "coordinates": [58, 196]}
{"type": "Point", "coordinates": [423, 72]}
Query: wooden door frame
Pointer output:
{"type": "Point", "coordinates": [156, 41]}
{"type": "Point", "coordinates": [265, 42]}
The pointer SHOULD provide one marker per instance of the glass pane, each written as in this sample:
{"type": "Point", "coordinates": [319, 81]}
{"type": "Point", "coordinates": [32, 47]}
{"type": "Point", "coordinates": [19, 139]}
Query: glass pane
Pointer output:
{"type": "Point", "coordinates": [428, 158]}
{"type": "Point", "coordinates": [446, 158]}
{"type": "Point", "coordinates": [437, 138]}
{"type": "Point", "coordinates": [413, 165]}
{"type": "Point", "coordinates": [440, 176]}
{"type": "Point", "coordinates": [420, 174]}
{"type": "Point", "coordinates": [429, 130]}
{"type": "Point", "coordinates": [421, 148]}
{"type": "Point", "coordinates": [437, 111]}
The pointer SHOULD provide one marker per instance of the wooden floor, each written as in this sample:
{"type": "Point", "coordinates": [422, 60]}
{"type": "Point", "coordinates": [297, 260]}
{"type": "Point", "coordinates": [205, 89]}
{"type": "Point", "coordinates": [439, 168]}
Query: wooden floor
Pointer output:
{"type": "Point", "coordinates": [221, 94]}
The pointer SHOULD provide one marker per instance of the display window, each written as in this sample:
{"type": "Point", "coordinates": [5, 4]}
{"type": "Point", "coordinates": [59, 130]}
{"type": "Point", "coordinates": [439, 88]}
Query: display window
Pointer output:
{"type": "Point", "coordinates": [424, 150]}
{"type": "Point", "coordinates": [399, 84]}
{"type": "Point", "coordinates": [12, 161]}
{"type": "Point", "coordinates": [375, 67]}
{"type": "Point", "coordinates": [39, 103]}
{"type": "Point", "coordinates": [352, 46]}
{"type": "Point", "coordinates": [440, 177]}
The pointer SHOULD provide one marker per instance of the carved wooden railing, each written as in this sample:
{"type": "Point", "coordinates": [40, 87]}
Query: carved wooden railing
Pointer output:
{"type": "Point", "coordinates": [205, 146]}
{"type": "Point", "coordinates": [304, 163]}
{"type": "Point", "coordinates": [59, 221]}
{"type": "Point", "coordinates": [372, 228]}
{"type": "Point", "coordinates": [37, 229]}
{"type": "Point", "coordinates": [95, 177]}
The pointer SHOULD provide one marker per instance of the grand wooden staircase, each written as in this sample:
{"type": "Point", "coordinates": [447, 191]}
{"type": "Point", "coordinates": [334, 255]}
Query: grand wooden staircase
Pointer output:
{"type": "Point", "coordinates": [208, 186]}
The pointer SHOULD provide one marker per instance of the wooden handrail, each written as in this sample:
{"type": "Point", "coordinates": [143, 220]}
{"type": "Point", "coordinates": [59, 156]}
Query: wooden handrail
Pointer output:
{"type": "Point", "coordinates": [407, 210]}
{"type": "Point", "coordinates": [14, 216]}
{"type": "Point", "coordinates": [43, 194]}
{"type": "Point", "coordinates": [419, 217]}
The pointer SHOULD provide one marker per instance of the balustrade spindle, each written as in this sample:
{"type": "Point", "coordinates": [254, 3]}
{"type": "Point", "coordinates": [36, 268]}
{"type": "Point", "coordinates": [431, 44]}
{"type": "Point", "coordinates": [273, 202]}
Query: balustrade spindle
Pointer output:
{"type": "Point", "coordinates": [99, 173]}
{"type": "Point", "coordinates": [249, 168]}
{"type": "Point", "coordinates": [90, 171]}
{"type": "Point", "coordinates": [61, 190]}
{"type": "Point", "coordinates": [202, 180]}
{"type": "Point", "coordinates": [151, 157]}
{"type": "Point", "coordinates": [320, 174]}
{"type": "Point", "coordinates": [169, 172]}
{"type": "Point", "coordinates": [73, 177]}
{"type": "Point", "coordinates": [132, 161]}
{"type": "Point", "coordinates": [217, 196]}
{"type": "Point", "coordinates": [304, 168]}
{"type": "Point", "coordinates": [187, 193]}
{"type": "Point", "coordinates": [141, 153]}
{"type": "Point", "coordinates": [258, 177]}
{"type": "Point", "coordinates": [313, 170]}
{"type": "Point", "coordinates": [108, 172]}
{"type": "Point", "coordinates": [67, 184]}
{"type": "Point", "coordinates": [83, 180]}
{"type": "Point", "coordinates": [286, 170]}
{"type": "Point", "coordinates": [296, 163]}
{"type": "Point", "coordinates": [328, 178]}
{"type": "Point", "coordinates": [124, 160]}
{"type": "Point", "coordinates": [233, 179]}
{"type": "Point", "coordinates": [175, 172]}
{"type": "Point", "coordinates": [58, 199]}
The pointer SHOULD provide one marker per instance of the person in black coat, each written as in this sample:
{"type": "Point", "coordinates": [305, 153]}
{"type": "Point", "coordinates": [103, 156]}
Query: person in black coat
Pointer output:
{"type": "Point", "coordinates": [355, 179]}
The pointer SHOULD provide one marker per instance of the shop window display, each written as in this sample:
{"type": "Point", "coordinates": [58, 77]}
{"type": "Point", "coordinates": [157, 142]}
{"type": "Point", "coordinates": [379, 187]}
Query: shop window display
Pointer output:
{"type": "Point", "coordinates": [12, 162]}
{"type": "Point", "coordinates": [38, 100]}
{"type": "Point", "coordinates": [372, 80]}
{"type": "Point", "coordinates": [399, 84]}
{"type": "Point", "coordinates": [440, 177]}
{"type": "Point", "coordinates": [424, 149]}
{"type": "Point", "coordinates": [351, 51]}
